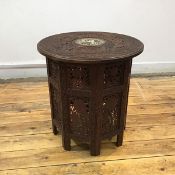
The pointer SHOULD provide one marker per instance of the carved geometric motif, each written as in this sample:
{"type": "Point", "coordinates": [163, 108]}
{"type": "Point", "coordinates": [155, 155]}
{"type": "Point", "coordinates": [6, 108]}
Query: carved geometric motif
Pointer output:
{"type": "Point", "coordinates": [55, 104]}
{"type": "Point", "coordinates": [54, 69]}
{"type": "Point", "coordinates": [113, 74]}
{"type": "Point", "coordinates": [78, 76]}
{"type": "Point", "coordinates": [79, 116]}
{"type": "Point", "coordinates": [111, 113]}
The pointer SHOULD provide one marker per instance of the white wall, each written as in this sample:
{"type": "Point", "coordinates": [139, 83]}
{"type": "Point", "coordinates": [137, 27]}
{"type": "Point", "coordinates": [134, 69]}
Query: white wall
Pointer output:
{"type": "Point", "coordinates": [24, 22]}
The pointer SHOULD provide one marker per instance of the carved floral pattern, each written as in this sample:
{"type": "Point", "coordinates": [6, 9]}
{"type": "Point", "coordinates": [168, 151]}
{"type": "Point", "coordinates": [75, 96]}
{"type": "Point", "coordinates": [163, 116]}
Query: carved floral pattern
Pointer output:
{"type": "Point", "coordinates": [78, 76]}
{"type": "Point", "coordinates": [111, 113]}
{"type": "Point", "coordinates": [53, 69]}
{"type": "Point", "coordinates": [55, 105]}
{"type": "Point", "coordinates": [79, 116]}
{"type": "Point", "coordinates": [113, 74]}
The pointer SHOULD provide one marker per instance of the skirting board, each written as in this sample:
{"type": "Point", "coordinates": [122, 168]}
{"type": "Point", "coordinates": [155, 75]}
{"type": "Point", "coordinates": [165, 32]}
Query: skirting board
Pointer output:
{"type": "Point", "coordinates": [39, 70]}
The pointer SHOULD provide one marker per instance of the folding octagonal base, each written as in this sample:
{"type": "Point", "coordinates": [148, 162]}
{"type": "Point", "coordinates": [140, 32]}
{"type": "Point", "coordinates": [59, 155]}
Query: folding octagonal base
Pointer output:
{"type": "Point", "coordinates": [89, 102]}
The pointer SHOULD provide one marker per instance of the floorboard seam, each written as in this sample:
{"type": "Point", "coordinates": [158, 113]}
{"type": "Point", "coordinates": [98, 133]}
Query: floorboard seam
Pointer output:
{"type": "Point", "coordinates": [136, 158]}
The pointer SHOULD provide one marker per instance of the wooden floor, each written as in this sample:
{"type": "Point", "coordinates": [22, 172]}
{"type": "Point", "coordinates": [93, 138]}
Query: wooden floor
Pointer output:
{"type": "Point", "coordinates": [28, 147]}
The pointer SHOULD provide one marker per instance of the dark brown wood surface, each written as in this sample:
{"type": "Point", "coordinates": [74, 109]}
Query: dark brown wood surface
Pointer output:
{"type": "Point", "coordinates": [63, 47]}
{"type": "Point", "coordinates": [89, 101]}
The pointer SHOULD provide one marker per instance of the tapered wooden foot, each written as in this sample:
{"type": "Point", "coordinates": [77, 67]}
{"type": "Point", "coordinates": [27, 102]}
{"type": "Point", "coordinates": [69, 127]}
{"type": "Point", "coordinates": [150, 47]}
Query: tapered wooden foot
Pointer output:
{"type": "Point", "coordinates": [66, 143]}
{"type": "Point", "coordinates": [54, 129]}
{"type": "Point", "coordinates": [119, 139]}
{"type": "Point", "coordinates": [95, 149]}
{"type": "Point", "coordinates": [125, 126]}
{"type": "Point", "coordinates": [125, 123]}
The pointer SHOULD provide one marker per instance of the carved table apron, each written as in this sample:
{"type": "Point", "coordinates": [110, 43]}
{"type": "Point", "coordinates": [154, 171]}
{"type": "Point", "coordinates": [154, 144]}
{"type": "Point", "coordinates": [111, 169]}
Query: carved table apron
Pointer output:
{"type": "Point", "coordinates": [88, 76]}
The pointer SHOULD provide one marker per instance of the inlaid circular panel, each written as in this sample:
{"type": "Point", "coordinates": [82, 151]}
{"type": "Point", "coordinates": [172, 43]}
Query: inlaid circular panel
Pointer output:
{"type": "Point", "coordinates": [89, 47]}
{"type": "Point", "coordinates": [90, 41]}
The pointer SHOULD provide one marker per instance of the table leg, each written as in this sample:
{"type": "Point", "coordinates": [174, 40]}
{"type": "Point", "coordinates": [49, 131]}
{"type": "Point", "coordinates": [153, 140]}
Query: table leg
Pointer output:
{"type": "Point", "coordinates": [96, 98]}
{"type": "Point", "coordinates": [120, 139]}
{"type": "Point", "coordinates": [66, 140]}
{"type": "Point", "coordinates": [54, 128]}
{"type": "Point", "coordinates": [124, 102]}
{"type": "Point", "coordinates": [127, 91]}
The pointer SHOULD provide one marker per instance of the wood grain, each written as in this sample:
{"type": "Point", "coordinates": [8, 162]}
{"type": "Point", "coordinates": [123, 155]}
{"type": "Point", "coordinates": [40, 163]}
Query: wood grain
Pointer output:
{"type": "Point", "coordinates": [58, 156]}
{"type": "Point", "coordinates": [25, 128]}
{"type": "Point", "coordinates": [45, 139]}
{"type": "Point", "coordinates": [155, 165]}
{"type": "Point", "coordinates": [29, 147]}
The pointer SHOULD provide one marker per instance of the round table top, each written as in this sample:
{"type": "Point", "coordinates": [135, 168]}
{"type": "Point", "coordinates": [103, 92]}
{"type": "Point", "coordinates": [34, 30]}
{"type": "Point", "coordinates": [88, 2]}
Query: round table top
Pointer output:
{"type": "Point", "coordinates": [89, 47]}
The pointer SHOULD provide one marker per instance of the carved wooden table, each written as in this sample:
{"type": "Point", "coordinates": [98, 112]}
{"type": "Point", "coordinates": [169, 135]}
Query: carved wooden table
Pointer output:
{"type": "Point", "coordinates": [88, 75]}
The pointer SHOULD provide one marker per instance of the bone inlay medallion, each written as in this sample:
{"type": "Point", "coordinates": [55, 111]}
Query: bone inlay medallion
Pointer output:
{"type": "Point", "coordinates": [90, 41]}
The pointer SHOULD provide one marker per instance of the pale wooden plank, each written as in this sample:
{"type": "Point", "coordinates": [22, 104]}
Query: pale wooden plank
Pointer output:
{"type": "Point", "coordinates": [21, 117]}
{"type": "Point", "coordinates": [154, 78]}
{"type": "Point", "coordinates": [43, 93]}
{"type": "Point", "coordinates": [145, 166]}
{"type": "Point", "coordinates": [57, 156]}
{"type": "Point", "coordinates": [49, 140]}
{"type": "Point", "coordinates": [39, 122]}
{"type": "Point", "coordinates": [149, 132]}
{"type": "Point", "coordinates": [167, 81]}
{"type": "Point", "coordinates": [152, 92]}
{"type": "Point", "coordinates": [151, 109]}
{"type": "Point", "coordinates": [33, 88]}
{"type": "Point", "coordinates": [21, 104]}
{"type": "Point", "coordinates": [27, 142]}
{"type": "Point", "coordinates": [41, 87]}
{"type": "Point", "coordinates": [150, 119]}
{"type": "Point", "coordinates": [154, 99]}
{"type": "Point", "coordinates": [160, 81]}
{"type": "Point", "coordinates": [24, 107]}
{"type": "Point", "coordinates": [132, 109]}
{"type": "Point", "coordinates": [16, 85]}
{"type": "Point", "coordinates": [135, 85]}
{"type": "Point", "coordinates": [143, 118]}
{"type": "Point", "coordinates": [29, 91]}
{"type": "Point", "coordinates": [13, 129]}
{"type": "Point", "coordinates": [38, 104]}
{"type": "Point", "coordinates": [31, 99]}
{"type": "Point", "coordinates": [136, 102]}
{"type": "Point", "coordinates": [24, 97]}
{"type": "Point", "coordinates": [132, 120]}
{"type": "Point", "coordinates": [135, 98]}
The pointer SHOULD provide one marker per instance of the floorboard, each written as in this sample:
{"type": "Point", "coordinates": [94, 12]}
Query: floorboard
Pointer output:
{"type": "Point", "coordinates": [28, 147]}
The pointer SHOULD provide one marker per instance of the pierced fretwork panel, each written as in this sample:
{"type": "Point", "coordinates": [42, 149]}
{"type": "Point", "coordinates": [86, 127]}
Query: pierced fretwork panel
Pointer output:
{"type": "Point", "coordinates": [55, 105]}
{"type": "Point", "coordinates": [111, 114]}
{"type": "Point", "coordinates": [54, 69]}
{"type": "Point", "coordinates": [78, 76]}
{"type": "Point", "coordinates": [114, 74]}
{"type": "Point", "coordinates": [79, 116]}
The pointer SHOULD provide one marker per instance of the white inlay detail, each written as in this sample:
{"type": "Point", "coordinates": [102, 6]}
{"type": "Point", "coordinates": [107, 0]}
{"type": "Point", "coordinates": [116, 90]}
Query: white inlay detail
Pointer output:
{"type": "Point", "coordinates": [90, 41]}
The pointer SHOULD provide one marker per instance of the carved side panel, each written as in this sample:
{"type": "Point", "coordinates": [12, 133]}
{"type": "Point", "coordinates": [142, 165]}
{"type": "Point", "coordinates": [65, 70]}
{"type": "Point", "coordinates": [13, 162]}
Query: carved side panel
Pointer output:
{"type": "Point", "coordinates": [79, 117]}
{"type": "Point", "coordinates": [55, 105]}
{"type": "Point", "coordinates": [78, 76]}
{"type": "Point", "coordinates": [53, 69]}
{"type": "Point", "coordinates": [111, 114]}
{"type": "Point", "coordinates": [114, 74]}
{"type": "Point", "coordinates": [53, 76]}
